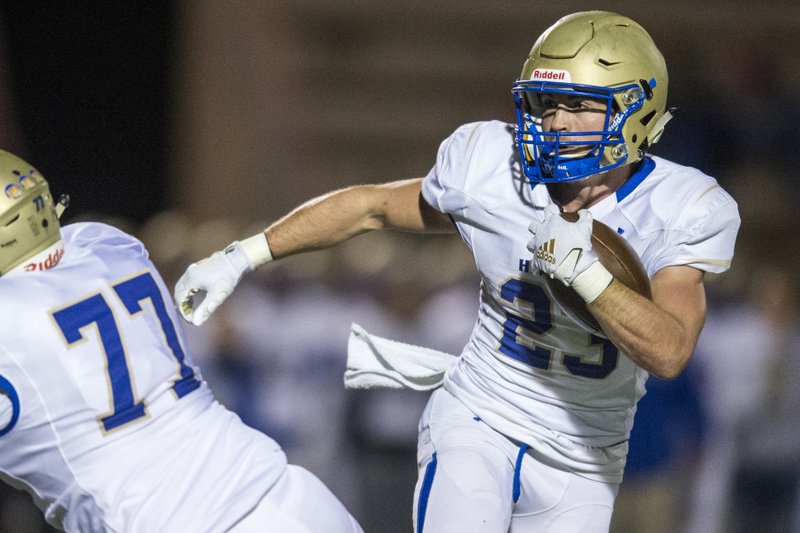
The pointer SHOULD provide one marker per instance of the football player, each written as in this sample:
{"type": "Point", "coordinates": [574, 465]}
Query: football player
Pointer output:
{"type": "Point", "coordinates": [529, 431]}
{"type": "Point", "coordinates": [104, 420]}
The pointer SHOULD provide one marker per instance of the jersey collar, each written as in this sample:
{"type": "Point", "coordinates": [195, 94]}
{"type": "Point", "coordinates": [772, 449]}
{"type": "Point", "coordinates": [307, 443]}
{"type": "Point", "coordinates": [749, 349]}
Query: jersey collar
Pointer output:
{"type": "Point", "coordinates": [645, 169]}
{"type": "Point", "coordinates": [541, 197]}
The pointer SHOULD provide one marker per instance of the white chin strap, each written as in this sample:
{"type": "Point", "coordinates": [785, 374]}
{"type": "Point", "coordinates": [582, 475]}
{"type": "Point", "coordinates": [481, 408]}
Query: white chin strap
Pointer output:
{"type": "Point", "coordinates": [658, 127]}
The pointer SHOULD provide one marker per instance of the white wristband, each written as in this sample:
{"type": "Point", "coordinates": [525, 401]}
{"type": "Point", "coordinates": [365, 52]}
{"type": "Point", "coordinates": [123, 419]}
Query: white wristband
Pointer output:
{"type": "Point", "coordinates": [590, 283]}
{"type": "Point", "coordinates": [256, 248]}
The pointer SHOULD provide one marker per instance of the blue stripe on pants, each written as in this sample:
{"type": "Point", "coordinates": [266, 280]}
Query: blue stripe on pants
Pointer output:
{"type": "Point", "coordinates": [425, 492]}
{"type": "Point", "coordinates": [517, 468]}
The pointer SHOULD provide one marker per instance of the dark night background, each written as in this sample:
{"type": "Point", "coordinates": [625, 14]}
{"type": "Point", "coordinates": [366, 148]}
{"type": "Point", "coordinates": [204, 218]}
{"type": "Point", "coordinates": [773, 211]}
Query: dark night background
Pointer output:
{"type": "Point", "coordinates": [91, 81]}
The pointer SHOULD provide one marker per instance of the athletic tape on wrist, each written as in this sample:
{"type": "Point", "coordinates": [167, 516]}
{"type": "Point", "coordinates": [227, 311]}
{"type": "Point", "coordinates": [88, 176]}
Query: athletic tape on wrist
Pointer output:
{"type": "Point", "coordinates": [590, 283]}
{"type": "Point", "coordinates": [256, 248]}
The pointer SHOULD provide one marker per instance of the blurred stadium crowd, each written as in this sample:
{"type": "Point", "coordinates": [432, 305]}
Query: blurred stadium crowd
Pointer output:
{"type": "Point", "coordinates": [716, 450]}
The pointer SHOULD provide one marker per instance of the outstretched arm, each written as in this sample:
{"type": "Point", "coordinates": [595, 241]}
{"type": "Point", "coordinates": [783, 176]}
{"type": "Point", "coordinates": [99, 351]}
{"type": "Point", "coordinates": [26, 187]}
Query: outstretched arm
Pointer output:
{"type": "Point", "coordinates": [319, 223]}
{"type": "Point", "coordinates": [338, 216]}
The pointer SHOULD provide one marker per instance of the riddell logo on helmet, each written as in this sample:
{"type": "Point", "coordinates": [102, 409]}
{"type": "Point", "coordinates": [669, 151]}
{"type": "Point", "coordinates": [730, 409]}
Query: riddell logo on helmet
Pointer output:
{"type": "Point", "coordinates": [550, 74]}
{"type": "Point", "coordinates": [49, 262]}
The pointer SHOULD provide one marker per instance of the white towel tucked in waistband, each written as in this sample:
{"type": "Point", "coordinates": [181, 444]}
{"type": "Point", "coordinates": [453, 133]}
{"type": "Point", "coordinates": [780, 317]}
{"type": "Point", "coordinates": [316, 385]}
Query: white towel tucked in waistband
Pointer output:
{"type": "Point", "coordinates": [375, 362]}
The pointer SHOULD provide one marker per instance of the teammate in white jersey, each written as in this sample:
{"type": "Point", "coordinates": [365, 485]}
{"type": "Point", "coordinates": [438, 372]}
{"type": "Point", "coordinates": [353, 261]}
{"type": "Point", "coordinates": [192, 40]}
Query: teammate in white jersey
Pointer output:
{"type": "Point", "coordinates": [529, 431]}
{"type": "Point", "coordinates": [103, 418]}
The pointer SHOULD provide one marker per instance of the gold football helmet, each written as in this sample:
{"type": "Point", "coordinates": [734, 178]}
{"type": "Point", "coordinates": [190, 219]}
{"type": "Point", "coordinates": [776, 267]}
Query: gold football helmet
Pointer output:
{"type": "Point", "coordinates": [599, 55]}
{"type": "Point", "coordinates": [28, 214]}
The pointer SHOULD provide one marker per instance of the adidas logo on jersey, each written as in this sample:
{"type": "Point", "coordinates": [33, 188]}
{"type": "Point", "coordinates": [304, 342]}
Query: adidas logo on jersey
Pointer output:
{"type": "Point", "coordinates": [545, 251]}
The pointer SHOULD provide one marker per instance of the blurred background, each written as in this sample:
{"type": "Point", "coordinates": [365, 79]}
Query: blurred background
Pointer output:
{"type": "Point", "coordinates": [190, 124]}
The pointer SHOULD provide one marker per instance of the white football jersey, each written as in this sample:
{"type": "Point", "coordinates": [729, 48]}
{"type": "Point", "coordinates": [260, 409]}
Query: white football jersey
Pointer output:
{"type": "Point", "coordinates": [528, 370]}
{"type": "Point", "coordinates": [103, 418]}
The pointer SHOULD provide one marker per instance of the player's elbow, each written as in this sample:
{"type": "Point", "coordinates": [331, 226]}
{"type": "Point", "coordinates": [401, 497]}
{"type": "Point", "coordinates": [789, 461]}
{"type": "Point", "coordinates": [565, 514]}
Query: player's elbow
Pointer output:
{"type": "Point", "coordinates": [667, 372]}
{"type": "Point", "coordinates": [670, 365]}
{"type": "Point", "coordinates": [673, 351]}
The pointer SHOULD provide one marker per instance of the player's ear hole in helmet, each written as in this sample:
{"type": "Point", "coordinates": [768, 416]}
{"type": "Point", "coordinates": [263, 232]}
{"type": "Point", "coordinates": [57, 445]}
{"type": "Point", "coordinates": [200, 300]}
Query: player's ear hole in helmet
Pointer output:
{"type": "Point", "coordinates": [28, 215]}
{"type": "Point", "coordinates": [599, 55]}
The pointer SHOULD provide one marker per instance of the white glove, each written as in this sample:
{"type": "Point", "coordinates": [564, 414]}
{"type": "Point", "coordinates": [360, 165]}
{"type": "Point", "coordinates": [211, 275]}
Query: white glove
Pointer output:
{"type": "Point", "coordinates": [217, 276]}
{"type": "Point", "coordinates": [563, 251]}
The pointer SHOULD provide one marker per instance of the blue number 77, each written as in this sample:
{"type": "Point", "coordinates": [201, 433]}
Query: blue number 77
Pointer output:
{"type": "Point", "coordinates": [96, 310]}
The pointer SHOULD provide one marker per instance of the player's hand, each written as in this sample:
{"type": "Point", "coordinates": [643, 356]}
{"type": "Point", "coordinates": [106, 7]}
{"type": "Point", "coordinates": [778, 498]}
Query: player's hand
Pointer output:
{"type": "Point", "coordinates": [207, 283]}
{"type": "Point", "coordinates": [563, 250]}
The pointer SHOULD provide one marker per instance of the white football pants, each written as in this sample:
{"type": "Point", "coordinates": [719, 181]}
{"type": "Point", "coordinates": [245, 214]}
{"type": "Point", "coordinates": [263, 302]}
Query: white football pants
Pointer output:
{"type": "Point", "coordinates": [474, 479]}
{"type": "Point", "coordinates": [298, 503]}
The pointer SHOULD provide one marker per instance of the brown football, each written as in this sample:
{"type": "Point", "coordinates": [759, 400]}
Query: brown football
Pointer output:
{"type": "Point", "coordinates": [618, 257]}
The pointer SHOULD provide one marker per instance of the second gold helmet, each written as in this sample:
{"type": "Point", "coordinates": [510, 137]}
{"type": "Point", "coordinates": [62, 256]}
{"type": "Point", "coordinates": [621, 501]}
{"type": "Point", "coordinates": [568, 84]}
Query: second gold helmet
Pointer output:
{"type": "Point", "coordinates": [28, 219]}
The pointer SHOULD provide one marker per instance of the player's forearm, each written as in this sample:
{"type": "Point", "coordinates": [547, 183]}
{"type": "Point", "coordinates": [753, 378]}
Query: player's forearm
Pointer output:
{"type": "Point", "coordinates": [323, 222]}
{"type": "Point", "coordinates": [651, 336]}
{"type": "Point", "coordinates": [341, 215]}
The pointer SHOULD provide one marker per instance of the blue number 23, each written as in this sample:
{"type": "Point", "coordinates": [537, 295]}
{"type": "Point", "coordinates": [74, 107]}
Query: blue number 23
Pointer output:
{"type": "Point", "coordinates": [538, 322]}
